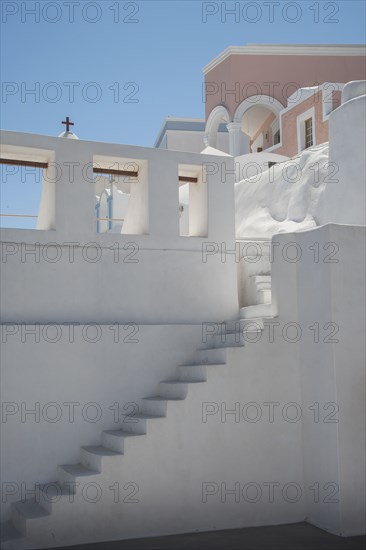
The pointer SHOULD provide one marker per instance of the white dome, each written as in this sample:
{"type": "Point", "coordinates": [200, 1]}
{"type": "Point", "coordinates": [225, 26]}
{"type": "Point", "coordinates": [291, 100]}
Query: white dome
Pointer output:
{"type": "Point", "coordinates": [68, 135]}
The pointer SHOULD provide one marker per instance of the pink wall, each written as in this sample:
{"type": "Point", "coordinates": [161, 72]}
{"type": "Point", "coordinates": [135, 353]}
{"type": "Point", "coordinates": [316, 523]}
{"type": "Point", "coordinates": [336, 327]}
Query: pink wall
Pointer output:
{"type": "Point", "coordinates": [289, 125]}
{"type": "Point", "coordinates": [266, 127]}
{"type": "Point", "coordinates": [286, 73]}
{"type": "Point", "coordinates": [337, 99]}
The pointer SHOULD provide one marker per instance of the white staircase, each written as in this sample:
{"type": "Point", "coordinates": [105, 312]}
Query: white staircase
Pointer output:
{"type": "Point", "coordinates": [58, 514]}
{"type": "Point", "coordinates": [261, 288]}
{"type": "Point", "coordinates": [261, 297]}
{"type": "Point", "coordinates": [53, 518]}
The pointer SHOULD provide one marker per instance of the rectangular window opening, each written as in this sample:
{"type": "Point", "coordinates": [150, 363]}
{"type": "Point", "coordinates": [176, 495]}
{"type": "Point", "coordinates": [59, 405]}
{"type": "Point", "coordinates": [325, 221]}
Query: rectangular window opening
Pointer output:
{"type": "Point", "coordinates": [20, 194]}
{"type": "Point", "coordinates": [193, 202]}
{"type": "Point", "coordinates": [121, 196]}
{"type": "Point", "coordinates": [308, 132]}
{"type": "Point", "coordinates": [111, 203]}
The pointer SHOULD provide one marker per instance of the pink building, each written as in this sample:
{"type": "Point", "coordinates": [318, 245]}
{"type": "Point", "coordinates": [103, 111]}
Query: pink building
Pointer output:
{"type": "Point", "coordinates": [273, 98]}
{"type": "Point", "coordinates": [277, 97]}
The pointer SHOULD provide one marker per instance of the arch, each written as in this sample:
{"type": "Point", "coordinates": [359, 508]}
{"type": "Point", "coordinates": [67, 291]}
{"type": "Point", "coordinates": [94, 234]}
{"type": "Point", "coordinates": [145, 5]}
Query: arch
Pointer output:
{"type": "Point", "coordinates": [262, 101]}
{"type": "Point", "coordinates": [218, 115]}
{"type": "Point", "coordinates": [257, 103]}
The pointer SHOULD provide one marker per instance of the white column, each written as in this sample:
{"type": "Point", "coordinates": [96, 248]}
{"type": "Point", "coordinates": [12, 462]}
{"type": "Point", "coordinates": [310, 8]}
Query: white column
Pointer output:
{"type": "Point", "coordinates": [238, 141]}
{"type": "Point", "coordinates": [75, 190]}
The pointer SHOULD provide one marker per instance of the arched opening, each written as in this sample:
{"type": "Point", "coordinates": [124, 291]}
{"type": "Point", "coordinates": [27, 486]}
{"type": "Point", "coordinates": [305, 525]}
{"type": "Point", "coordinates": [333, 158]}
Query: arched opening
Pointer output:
{"type": "Point", "coordinates": [216, 133]}
{"type": "Point", "coordinates": [259, 119]}
{"type": "Point", "coordinates": [257, 123]}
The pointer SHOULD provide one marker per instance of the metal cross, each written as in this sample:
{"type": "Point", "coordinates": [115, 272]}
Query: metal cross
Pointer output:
{"type": "Point", "coordinates": [68, 124]}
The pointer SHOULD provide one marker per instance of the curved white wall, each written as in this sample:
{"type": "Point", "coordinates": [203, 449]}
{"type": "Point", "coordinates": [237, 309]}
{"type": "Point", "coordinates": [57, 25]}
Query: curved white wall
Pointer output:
{"type": "Point", "coordinates": [353, 89]}
{"type": "Point", "coordinates": [344, 199]}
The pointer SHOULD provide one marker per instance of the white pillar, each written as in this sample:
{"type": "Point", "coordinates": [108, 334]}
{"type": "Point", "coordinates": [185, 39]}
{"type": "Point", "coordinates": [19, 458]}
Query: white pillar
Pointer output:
{"type": "Point", "coordinates": [238, 141]}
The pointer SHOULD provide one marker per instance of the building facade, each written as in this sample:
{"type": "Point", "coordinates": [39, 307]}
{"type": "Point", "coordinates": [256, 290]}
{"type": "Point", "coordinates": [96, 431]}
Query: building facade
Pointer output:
{"type": "Point", "coordinates": [273, 98]}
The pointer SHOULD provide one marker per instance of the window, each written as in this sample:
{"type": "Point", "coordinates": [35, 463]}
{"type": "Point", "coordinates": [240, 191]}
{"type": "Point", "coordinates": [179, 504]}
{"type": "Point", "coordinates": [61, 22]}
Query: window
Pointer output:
{"type": "Point", "coordinates": [193, 201]}
{"type": "Point", "coordinates": [276, 132]}
{"type": "Point", "coordinates": [121, 189]}
{"type": "Point", "coordinates": [306, 130]}
{"type": "Point", "coordinates": [308, 133]}
{"type": "Point", "coordinates": [26, 196]}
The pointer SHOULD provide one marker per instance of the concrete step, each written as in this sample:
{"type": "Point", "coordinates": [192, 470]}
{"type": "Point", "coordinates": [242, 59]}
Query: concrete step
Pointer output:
{"type": "Point", "coordinates": [176, 389]}
{"type": "Point", "coordinates": [12, 539]}
{"type": "Point", "coordinates": [232, 340]}
{"type": "Point", "coordinates": [262, 287]}
{"type": "Point", "coordinates": [116, 440]}
{"type": "Point", "coordinates": [24, 512]}
{"type": "Point", "coordinates": [192, 373]}
{"type": "Point", "coordinates": [259, 289]}
{"type": "Point", "coordinates": [98, 458]}
{"type": "Point", "coordinates": [74, 476]}
{"type": "Point", "coordinates": [253, 312]}
{"type": "Point", "coordinates": [228, 340]}
{"type": "Point", "coordinates": [9, 534]}
{"type": "Point", "coordinates": [228, 345]}
{"type": "Point", "coordinates": [53, 495]}
{"type": "Point", "coordinates": [264, 296]}
{"type": "Point", "coordinates": [137, 424]}
{"type": "Point", "coordinates": [155, 405]}
{"type": "Point", "coordinates": [235, 339]}
{"type": "Point", "coordinates": [211, 356]}
{"type": "Point", "coordinates": [240, 325]}
{"type": "Point", "coordinates": [257, 279]}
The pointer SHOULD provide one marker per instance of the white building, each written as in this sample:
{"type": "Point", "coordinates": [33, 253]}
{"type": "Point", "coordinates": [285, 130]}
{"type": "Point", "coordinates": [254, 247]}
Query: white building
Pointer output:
{"type": "Point", "coordinates": [166, 376]}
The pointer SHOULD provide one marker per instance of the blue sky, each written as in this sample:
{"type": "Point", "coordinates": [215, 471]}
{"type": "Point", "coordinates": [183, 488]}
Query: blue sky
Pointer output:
{"type": "Point", "coordinates": [161, 53]}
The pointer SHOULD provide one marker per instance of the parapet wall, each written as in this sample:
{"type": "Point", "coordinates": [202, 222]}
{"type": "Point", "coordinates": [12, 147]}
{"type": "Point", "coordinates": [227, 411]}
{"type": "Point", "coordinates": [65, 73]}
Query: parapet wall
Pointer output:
{"type": "Point", "coordinates": [344, 199]}
{"type": "Point", "coordinates": [318, 290]}
{"type": "Point", "coordinates": [69, 272]}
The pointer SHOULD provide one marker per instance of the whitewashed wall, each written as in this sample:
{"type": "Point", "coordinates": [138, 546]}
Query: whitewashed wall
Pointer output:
{"type": "Point", "coordinates": [344, 198]}
{"type": "Point", "coordinates": [103, 365]}
{"type": "Point", "coordinates": [155, 277]}
{"type": "Point", "coordinates": [230, 451]}
{"type": "Point", "coordinates": [325, 295]}
{"type": "Point", "coordinates": [185, 455]}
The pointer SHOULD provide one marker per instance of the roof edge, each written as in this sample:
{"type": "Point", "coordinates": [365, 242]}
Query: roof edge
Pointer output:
{"type": "Point", "coordinates": [287, 49]}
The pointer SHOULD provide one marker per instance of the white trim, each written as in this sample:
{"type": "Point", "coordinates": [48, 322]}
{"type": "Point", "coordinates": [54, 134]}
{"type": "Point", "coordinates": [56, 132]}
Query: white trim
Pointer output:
{"type": "Point", "coordinates": [173, 119]}
{"type": "Point", "coordinates": [182, 119]}
{"type": "Point", "coordinates": [287, 49]}
{"type": "Point", "coordinates": [194, 132]}
{"type": "Point", "coordinates": [306, 93]}
{"type": "Point", "coordinates": [301, 95]}
{"type": "Point", "coordinates": [327, 106]}
{"type": "Point", "coordinates": [274, 147]}
{"type": "Point", "coordinates": [239, 142]}
{"type": "Point", "coordinates": [263, 101]}
{"type": "Point", "coordinates": [218, 115]}
{"type": "Point", "coordinates": [300, 120]}
{"type": "Point", "coordinates": [353, 89]}
{"type": "Point", "coordinates": [275, 126]}
{"type": "Point", "coordinates": [258, 142]}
